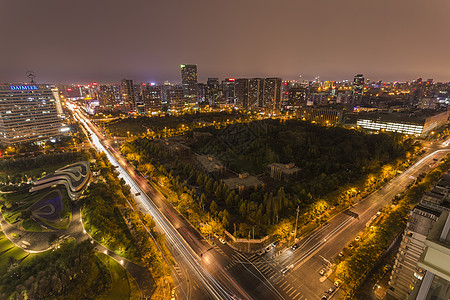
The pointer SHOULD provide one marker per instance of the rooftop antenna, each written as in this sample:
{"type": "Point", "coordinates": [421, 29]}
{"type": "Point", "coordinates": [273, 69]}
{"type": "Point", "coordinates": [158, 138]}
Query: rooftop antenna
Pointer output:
{"type": "Point", "coordinates": [31, 75]}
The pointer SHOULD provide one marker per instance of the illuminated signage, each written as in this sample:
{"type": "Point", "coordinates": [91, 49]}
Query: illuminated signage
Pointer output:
{"type": "Point", "coordinates": [23, 87]}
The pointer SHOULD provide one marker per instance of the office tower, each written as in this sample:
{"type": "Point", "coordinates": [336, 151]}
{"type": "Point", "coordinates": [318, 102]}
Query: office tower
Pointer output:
{"type": "Point", "coordinates": [201, 92]}
{"type": "Point", "coordinates": [189, 82]}
{"type": "Point", "coordinates": [358, 84]}
{"type": "Point", "coordinates": [255, 92]}
{"type": "Point", "coordinates": [175, 98]}
{"type": "Point", "coordinates": [406, 273]}
{"type": "Point", "coordinates": [164, 91]}
{"type": "Point", "coordinates": [106, 97]}
{"type": "Point", "coordinates": [272, 94]}
{"type": "Point", "coordinates": [212, 90]}
{"type": "Point", "coordinates": [27, 113]}
{"type": "Point", "coordinates": [127, 93]}
{"type": "Point", "coordinates": [241, 89]}
{"type": "Point", "coordinates": [151, 96]}
{"type": "Point", "coordinates": [228, 90]}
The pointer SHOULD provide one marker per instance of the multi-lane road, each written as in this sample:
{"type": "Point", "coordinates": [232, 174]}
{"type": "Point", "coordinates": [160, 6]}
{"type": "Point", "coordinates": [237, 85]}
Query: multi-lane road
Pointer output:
{"type": "Point", "coordinates": [206, 271]}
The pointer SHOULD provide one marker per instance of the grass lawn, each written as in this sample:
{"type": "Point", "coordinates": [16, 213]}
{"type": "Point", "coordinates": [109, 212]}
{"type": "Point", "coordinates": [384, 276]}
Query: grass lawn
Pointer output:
{"type": "Point", "coordinates": [11, 250]}
{"type": "Point", "coordinates": [123, 284]}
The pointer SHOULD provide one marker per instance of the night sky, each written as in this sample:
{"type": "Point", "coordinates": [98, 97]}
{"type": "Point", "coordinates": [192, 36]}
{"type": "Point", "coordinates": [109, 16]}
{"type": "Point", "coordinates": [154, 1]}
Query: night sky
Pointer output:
{"type": "Point", "coordinates": [106, 40]}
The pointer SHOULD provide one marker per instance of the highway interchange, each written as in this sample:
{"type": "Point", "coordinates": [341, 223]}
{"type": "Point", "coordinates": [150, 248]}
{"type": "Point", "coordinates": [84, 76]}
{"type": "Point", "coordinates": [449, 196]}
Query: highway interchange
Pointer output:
{"type": "Point", "coordinates": [206, 271]}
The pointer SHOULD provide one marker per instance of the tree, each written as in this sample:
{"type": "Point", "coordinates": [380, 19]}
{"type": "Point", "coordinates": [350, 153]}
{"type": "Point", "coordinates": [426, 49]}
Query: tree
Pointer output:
{"type": "Point", "coordinates": [243, 209]}
{"type": "Point", "coordinates": [203, 201]}
{"type": "Point", "coordinates": [225, 218]}
{"type": "Point", "coordinates": [213, 207]}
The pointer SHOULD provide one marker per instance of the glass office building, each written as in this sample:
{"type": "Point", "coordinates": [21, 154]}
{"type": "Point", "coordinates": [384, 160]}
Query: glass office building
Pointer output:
{"type": "Point", "coordinates": [28, 113]}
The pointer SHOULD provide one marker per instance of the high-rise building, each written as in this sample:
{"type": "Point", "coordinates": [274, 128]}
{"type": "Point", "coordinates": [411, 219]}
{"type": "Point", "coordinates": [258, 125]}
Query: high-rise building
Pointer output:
{"type": "Point", "coordinates": [228, 92]}
{"type": "Point", "coordinates": [175, 98]}
{"type": "Point", "coordinates": [272, 94]}
{"type": "Point", "coordinates": [212, 90]}
{"type": "Point", "coordinates": [241, 89]}
{"type": "Point", "coordinates": [297, 97]}
{"type": "Point", "coordinates": [358, 84]}
{"type": "Point", "coordinates": [127, 93]}
{"type": "Point", "coordinates": [189, 82]}
{"type": "Point", "coordinates": [151, 96]}
{"type": "Point", "coordinates": [256, 92]}
{"type": "Point", "coordinates": [202, 91]}
{"type": "Point", "coordinates": [28, 113]}
{"type": "Point", "coordinates": [106, 97]}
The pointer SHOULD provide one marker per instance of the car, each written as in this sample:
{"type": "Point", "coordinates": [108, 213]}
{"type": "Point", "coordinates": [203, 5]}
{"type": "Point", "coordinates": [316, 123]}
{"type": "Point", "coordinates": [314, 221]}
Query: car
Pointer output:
{"type": "Point", "coordinates": [222, 240]}
{"type": "Point", "coordinates": [341, 254]}
{"type": "Point", "coordinates": [337, 283]}
{"type": "Point", "coordinates": [274, 244]}
{"type": "Point", "coordinates": [261, 252]}
{"type": "Point", "coordinates": [325, 296]}
{"type": "Point", "coordinates": [268, 248]}
{"type": "Point", "coordinates": [331, 290]}
{"type": "Point", "coordinates": [295, 246]}
{"type": "Point", "coordinates": [322, 271]}
{"type": "Point", "coordinates": [216, 235]}
{"type": "Point", "coordinates": [358, 238]}
{"type": "Point", "coordinates": [350, 245]}
{"type": "Point", "coordinates": [137, 194]}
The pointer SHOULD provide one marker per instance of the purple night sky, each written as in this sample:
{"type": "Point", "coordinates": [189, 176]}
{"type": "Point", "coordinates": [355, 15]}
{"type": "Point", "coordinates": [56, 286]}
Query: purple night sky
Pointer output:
{"type": "Point", "coordinates": [107, 40]}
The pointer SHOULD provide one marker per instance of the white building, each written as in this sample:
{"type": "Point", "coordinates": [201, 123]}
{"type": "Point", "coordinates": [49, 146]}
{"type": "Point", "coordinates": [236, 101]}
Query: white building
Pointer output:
{"type": "Point", "coordinates": [28, 113]}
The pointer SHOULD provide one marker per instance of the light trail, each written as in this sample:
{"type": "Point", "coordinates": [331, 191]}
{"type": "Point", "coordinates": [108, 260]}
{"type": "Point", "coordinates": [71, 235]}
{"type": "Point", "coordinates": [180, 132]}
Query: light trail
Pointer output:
{"type": "Point", "coordinates": [216, 290]}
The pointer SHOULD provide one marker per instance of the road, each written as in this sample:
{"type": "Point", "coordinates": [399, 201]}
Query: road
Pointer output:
{"type": "Point", "coordinates": [217, 271]}
{"type": "Point", "coordinates": [200, 272]}
{"type": "Point", "coordinates": [321, 247]}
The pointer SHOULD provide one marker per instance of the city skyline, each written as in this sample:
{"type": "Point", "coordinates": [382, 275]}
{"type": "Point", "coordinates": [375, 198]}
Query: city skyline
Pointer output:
{"type": "Point", "coordinates": [383, 40]}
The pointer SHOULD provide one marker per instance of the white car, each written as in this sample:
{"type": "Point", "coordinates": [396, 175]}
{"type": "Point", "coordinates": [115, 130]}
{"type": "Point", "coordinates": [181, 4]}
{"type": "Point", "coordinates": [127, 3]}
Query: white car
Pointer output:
{"type": "Point", "coordinates": [222, 240]}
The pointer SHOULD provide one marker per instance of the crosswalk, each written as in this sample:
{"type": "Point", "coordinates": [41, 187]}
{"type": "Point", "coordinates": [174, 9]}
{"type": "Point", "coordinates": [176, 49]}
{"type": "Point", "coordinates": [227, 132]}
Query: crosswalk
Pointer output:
{"type": "Point", "coordinates": [270, 272]}
{"type": "Point", "coordinates": [178, 270]}
{"type": "Point", "coordinates": [217, 248]}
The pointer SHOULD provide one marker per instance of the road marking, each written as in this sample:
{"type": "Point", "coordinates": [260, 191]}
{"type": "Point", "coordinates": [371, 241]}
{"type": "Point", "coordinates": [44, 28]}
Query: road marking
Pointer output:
{"type": "Point", "coordinates": [283, 284]}
{"type": "Point", "coordinates": [287, 287]}
{"type": "Point", "coordinates": [290, 295]}
{"type": "Point", "coordinates": [295, 297]}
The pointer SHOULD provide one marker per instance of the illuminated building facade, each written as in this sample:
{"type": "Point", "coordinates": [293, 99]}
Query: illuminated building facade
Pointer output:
{"type": "Point", "coordinates": [255, 92]}
{"type": "Point", "coordinates": [106, 96]}
{"type": "Point", "coordinates": [175, 98]}
{"type": "Point", "coordinates": [189, 82]}
{"type": "Point", "coordinates": [417, 124]}
{"type": "Point", "coordinates": [212, 86]}
{"type": "Point", "coordinates": [127, 92]}
{"type": "Point", "coordinates": [28, 114]}
{"type": "Point", "coordinates": [228, 92]}
{"type": "Point", "coordinates": [358, 84]}
{"type": "Point", "coordinates": [327, 116]}
{"type": "Point", "coordinates": [241, 92]}
{"type": "Point", "coordinates": [272, 94]}
{"type": "Point", "coordinates": [151, 97]}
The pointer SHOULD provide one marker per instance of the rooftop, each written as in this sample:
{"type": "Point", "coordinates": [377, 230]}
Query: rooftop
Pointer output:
{"type": "Point", "coordinates": [210, 163]}
{"type": "Point", "coordinates": [243, 180]}
{"type": "Point", "coordinates": [285, 168]}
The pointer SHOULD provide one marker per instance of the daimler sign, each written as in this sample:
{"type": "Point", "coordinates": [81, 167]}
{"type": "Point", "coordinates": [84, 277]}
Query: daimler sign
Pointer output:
{"type": "Point", "coordinates": [23, 87]}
